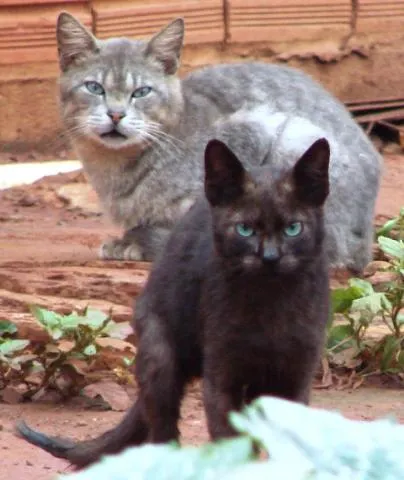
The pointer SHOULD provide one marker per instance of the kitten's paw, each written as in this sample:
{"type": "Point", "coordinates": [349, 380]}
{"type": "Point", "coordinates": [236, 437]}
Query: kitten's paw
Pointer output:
{"type": "Point", "coordinates": [117, 249]}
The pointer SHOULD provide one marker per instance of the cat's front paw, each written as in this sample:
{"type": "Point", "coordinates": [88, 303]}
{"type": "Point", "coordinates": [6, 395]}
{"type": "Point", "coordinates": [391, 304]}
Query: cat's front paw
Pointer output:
{"type": "Point", "coordinates": [118, 249]}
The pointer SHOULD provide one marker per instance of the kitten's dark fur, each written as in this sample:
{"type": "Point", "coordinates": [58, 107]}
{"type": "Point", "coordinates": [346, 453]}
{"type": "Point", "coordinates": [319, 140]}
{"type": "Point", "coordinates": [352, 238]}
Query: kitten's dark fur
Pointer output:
{"type": "Point", "coordinates": [239, 296]}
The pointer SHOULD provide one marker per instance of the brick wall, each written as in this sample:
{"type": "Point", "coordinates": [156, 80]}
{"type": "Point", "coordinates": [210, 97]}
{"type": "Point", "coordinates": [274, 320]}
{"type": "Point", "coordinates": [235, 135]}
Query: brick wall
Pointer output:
{"type": "Point", "coordinates": [354, 47]}
{"type": "Point", "coordinates": [27, 27]}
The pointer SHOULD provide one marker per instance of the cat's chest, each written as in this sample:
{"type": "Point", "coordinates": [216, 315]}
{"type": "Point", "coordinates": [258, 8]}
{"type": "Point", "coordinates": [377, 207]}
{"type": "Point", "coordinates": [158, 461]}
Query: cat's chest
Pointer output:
{"type": "Point", "coordinates": [254, 311]}
{"type": "Point", "coordinates": [248, 305]}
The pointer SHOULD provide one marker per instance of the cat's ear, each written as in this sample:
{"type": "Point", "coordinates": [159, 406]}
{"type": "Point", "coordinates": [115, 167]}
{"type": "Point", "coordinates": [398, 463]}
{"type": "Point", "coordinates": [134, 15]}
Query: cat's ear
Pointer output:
{"type": "Point", "coordinates": [75, 42]}
{"type": "Point", "coordinates": [225, 176]}
{"type": "Point", "coordinates": [310, 173]}
{"type": "Point", "coordinates": [166, 46]}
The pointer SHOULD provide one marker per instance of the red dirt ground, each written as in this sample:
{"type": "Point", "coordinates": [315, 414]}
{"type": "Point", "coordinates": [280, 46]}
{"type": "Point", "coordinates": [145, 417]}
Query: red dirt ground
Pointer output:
{"type": "Point", "coordinates": [48, 255]}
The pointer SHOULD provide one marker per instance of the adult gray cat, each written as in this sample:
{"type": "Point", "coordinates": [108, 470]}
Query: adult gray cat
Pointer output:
{"type": "Point", "coordinates": [140, 132]}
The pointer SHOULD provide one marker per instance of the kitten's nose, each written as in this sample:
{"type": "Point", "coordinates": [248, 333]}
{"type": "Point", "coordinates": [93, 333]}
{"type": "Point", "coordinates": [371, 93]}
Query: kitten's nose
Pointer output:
{"type": "Point", "coordinates": [116, 116]}
{"type": "Point", "coordinates": [269, 251]}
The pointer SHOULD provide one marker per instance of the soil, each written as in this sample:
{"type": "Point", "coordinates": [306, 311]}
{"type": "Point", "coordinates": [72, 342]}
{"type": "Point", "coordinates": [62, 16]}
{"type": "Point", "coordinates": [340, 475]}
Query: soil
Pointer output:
{"type": "Point", "coordinates": [49, 237]}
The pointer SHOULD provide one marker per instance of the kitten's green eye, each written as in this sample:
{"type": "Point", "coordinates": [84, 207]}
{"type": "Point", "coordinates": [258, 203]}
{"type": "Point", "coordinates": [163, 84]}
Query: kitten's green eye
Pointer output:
{"type": "Point", "coordinates": [141, 92]}
{"type": "Point", "coordinates": [95, 88]}
{"type": "Point", "coordinates": [294, 229]}
{"type": "Point", "coordinates": [244, 230]}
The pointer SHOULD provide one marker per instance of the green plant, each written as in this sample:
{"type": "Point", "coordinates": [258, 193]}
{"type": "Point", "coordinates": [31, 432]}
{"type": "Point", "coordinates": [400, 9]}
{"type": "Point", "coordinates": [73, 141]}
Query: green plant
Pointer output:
{"type": "Point", "coordinates": [299, 443]}
{"type": "Point", "coordinates": [393, 228]}
{"type": "Point", "coordinates": [64, 361]}
{"type": "Point", "coordinates": [9, 348]}
{"type": "Point", "coordinates": [361, 306]}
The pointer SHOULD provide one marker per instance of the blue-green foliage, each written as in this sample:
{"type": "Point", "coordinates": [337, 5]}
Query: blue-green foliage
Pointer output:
{"type": "Point", "coordinates": [303, 444]}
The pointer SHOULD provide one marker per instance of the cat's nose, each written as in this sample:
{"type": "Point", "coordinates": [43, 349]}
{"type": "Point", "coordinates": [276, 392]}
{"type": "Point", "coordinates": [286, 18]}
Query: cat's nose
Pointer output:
{"type": "Point", "coordinates": [269, 251]}
{"type": "Point", "coordinates": [116, 116]}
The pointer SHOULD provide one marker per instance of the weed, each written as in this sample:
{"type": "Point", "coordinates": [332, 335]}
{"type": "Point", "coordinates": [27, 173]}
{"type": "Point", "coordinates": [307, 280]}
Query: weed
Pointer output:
{"type": "Point", "coordinates": [65, 360]}
{"type": "Point", "coordinates": [360, 310]}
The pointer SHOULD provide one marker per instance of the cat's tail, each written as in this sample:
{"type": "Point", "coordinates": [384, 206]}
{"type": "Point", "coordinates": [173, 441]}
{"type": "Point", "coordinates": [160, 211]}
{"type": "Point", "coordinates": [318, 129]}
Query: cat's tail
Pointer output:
{"type": "Point", "coordinates": [131, 431]}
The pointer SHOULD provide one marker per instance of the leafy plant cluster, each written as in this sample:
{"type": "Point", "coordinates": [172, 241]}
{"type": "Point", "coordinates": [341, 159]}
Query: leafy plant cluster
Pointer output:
{"type": "Point", "coordinates": [302, 444]}
{"type": "Point", "coordinates": [64, 360]}
{"type": "Point", "coordinates": [367, 329]}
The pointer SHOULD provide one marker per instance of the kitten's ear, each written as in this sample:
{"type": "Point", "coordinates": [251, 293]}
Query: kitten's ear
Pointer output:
{"type": "Point", "coordinates": [225, 176]}
{"type": "Point", "coordinates": [166, 46]}
{"type": "Point", "coordinates": [311, 173]}
{"type": "Point", "coordinates": [75, 42]}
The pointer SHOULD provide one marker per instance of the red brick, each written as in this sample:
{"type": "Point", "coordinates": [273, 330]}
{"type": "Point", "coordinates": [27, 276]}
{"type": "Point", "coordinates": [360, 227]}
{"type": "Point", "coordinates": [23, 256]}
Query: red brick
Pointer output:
{"type": "Point", "coordinates": [204, 20]}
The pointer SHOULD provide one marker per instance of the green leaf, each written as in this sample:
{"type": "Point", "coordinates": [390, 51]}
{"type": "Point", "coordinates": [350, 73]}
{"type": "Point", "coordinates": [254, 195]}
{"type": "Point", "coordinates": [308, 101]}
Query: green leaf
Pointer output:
{"type": "Point", "coordinates": [365, 287]}
{"type": "Point", "coordinates": [389, 350]}
{"type": "Point", "coordinates": [192, 463]}
{"type": "Point", "coordinates": [95, 318]}
{"type": "Point", "coordinates": [394, 248]}
{"type": "Point", "coordinates": [7, 328]}
{"type": "Point", "coordinates": [9, 347]}
{"type": "Point", "coordinates": [90, 350]}
{"type": "Point", "coordinates": [55, 333]}
{"type": "Point", "coordinates": [119, 330]}
{"type": "Point", "coordinates": [71, 321]}
{"type": "Point", "coordinates": [400, 359]}
{"type": "Point", "coordinates": [387, 227]}
{"type": "Point", "coordinates": [400, 318]}
{"type": "Point", "coordinates": [342, 298]}
{"type": "Point", "coordinates": [339, 333]}
{"type": "Point", "coordinates": [169, 462]}
{"type": "Point", "coordinates": [375, 303]}
{"type": "Point", "coordinates": [129, 361]}
{"type": "Point", "coordinates": [47, 318]}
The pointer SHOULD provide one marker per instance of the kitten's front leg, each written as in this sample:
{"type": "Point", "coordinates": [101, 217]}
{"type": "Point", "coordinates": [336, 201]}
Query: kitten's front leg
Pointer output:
{"type": "Point", "coordinates": [219, 402]}
{"type": "Point", "coordinates": [141, 243]}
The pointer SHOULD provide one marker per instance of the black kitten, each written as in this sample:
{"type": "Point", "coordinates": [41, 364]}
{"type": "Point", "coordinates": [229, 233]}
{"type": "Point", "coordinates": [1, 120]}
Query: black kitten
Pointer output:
{"type": "Point", "coordinates": [239, 297]}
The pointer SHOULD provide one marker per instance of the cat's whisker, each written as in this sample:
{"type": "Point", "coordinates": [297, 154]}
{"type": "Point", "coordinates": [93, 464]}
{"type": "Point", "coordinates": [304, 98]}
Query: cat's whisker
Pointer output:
{"type": "Point", "coordinates": [157, 127]}
{"type": "Point", "coordinates": [157, 143]}
{"type": "Point", "coordinates": [155, 134]}
{"type": "Point", "coordinates": [77, 131]}
{"type": "Point", "coordinates": [163, 148]}
{"type": "Point", "coordinates": [164, 139]}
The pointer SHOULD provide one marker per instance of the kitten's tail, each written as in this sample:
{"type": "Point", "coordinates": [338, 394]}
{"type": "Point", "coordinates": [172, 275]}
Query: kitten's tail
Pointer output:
{"type": "Point", "coordinates": [131, 431]}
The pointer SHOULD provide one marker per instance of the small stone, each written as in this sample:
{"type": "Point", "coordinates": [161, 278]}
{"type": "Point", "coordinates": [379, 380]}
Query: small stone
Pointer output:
{"type": "Point", "coordinates": [81, 423]}
{"type": "Point", "coordinates": [111, 393]}
{"type": "Point", "coordinates": [27, 201]}
{"type": "Point", "coordinates": [14, 394]}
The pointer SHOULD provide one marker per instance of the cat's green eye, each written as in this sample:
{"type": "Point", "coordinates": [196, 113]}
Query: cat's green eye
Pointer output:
{"type": "Point", "coordinates": [294, 229]}
{"type": "Point", "coordinates": [244, 230]}
{"type": "Point", "coordinates": [95, 88]}
{"type": "Point", "coordinates": [141, 92]}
